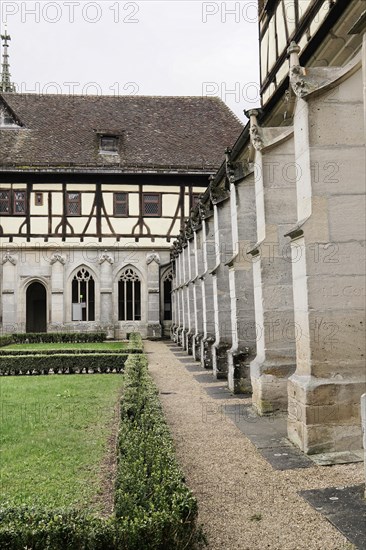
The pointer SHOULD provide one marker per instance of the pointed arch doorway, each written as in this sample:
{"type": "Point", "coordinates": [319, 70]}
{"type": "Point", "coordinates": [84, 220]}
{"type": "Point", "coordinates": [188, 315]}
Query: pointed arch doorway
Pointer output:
{"type": "Point", "coordinates": [36, 313]}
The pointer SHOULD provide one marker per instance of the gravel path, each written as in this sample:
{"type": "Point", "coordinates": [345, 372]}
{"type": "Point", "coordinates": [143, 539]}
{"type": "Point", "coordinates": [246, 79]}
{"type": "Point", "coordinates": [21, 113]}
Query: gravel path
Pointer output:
{"type": "Point", "coordinates": [244, 504]}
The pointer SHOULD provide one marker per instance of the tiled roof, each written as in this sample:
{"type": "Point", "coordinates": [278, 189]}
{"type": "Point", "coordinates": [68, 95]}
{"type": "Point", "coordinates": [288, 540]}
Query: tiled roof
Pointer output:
{"type": "Point", "coordinates": [155, 132]}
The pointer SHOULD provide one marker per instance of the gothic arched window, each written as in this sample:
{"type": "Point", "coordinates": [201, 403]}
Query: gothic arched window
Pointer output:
{"type": "Point", "coordinates": [83, 296]}
{"type": "Point", "coordinates": [129, 296]}
{"type": "Point", "coordinates": [167, 293]}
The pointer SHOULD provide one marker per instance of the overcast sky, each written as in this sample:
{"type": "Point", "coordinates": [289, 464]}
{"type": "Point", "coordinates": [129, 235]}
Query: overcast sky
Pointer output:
{"type": "Point", "coordinates": [146, 47]}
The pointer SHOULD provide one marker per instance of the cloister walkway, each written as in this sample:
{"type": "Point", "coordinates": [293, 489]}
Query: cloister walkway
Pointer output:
{"type": "Point", "coordinates": [244, 504]}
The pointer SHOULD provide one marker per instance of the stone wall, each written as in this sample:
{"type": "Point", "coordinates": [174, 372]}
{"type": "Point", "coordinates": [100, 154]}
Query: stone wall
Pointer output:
{"type": "Point", "coordinates": [55, 270]}
{"type": "Point", "coordinates": [282, 277]}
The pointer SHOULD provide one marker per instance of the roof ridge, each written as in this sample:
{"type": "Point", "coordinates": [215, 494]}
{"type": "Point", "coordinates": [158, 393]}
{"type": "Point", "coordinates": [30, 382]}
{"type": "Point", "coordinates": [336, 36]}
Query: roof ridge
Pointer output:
{"type": "Point", "coordinates": [34, 94]}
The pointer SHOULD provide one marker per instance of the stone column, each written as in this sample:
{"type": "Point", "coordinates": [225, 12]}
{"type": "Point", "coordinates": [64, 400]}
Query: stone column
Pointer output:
{"type": "Point", "coordinates": [328, 257]}
{"type": "Point", "coordinates": [181, 304]}
{"type": "Point", "coordinates": [221, 289]}
{"type": "Point", "coordinates": [154, 330]}
{"type": "Point", "coordinates": [275, 190]}
{"type": "Point", "coordinates": [209, 259]}
{"type": "Point", "coordinates": [175, 307]}
{"type": "Point", "coordinates": [190, 292]}
{"type": "Point", "coordinates": [197, 292]}
{"type": "Point", "coordinates": [57, 291]}
{"type": "Point", "coordinates": [106, 301]}
{"type": "Point", "coordinates": [9, 298]}
{"type": "Point", "coordinates": [243, 223]}
{"type": "Point", "coordinates": [185, 297]}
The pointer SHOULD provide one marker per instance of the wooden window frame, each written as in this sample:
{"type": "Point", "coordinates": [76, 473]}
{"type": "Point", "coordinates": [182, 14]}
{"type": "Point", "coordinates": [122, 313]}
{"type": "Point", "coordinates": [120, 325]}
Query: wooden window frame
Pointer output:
{"type": "Point", "coordinates": [15, 200]}
{"type": "Point", "coordinates": [158, 202]}
{"type": "Point", "coordinates": [40, 195]}
{"type": "Point", "coordinates": [109, 138]}
{"type": "Point", "coordinates": [115, 202]}
{"type": "Point", "coordinates": [12, 202]}
{"type": "Point", "coordinates": [73, 201]}
{"type": "Point", "coordinates": [9, 201]}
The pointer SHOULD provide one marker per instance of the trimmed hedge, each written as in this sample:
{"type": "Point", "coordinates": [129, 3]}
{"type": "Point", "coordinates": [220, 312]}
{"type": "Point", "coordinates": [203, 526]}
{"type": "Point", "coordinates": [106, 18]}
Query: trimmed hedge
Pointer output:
{"type": "Point", "coordinates": [60, 363]}
{"type": "Point", "coordinates": [37, 529]}
{"type": "Point", "coordinates": [135, 343]}
{"type": "Point", "coordinates": [151, 498]}
{"type": "Point", "coordinates": [67, 351]}
{"type": "Point", "coordinates": [154, 509]}
{"type": "Point", "coordinates": [6, 341]}
{"type": "Point", "coordinates": [57, 337]}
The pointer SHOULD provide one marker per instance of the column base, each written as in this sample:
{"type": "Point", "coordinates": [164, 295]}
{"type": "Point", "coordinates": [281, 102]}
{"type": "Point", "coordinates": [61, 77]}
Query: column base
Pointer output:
{"type": "Point", "coordinates": [206, 352]}
{"type": "Point", "coordinates": [189, 342]}
{"type": "Point", "coordinates": [179, 334]}
{"type": "Point", "coordinates": [239, 380]}
{"type": "Point", "coordinates": [220, 360]}
{"type": "Point", "coordinates": [196, 346]}
{"type": "Point", "coordinates": [154, 331]}
{"type": "Point", "coordinates": [269, 384]}
{"type": "Point", "coordinates": [173, 333]}
{"type": "Point", "coordinates": [324, 415]}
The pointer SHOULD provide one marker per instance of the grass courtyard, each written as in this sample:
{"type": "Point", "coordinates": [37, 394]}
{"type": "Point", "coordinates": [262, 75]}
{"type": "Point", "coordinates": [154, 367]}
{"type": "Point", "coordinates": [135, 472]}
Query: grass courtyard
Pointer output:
{"type": "Point", "coordinates": [55, 438]}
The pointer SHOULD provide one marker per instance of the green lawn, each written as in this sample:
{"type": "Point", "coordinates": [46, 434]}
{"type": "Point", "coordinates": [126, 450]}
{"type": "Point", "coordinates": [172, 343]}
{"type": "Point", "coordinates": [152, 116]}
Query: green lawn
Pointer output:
{"type": "Point", "coordinates": [100, 346]}
{"type": "Point", "coordinates": [54, 433]}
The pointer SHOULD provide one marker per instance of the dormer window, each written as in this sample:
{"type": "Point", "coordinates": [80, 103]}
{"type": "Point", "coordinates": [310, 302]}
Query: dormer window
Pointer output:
{"type": "Point", "coordinates": [6, 119]}
{"type": "Point", "coordinates": [109, 144]}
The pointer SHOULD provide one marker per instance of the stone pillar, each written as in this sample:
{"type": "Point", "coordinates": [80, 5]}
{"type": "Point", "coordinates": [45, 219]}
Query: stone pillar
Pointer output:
{"type": "Point", "coordinates": [328, 258]}
{"type": "Point", "coordinates": [224, 251]}
{"type": "Point", "coordinates": [185, 297]}
{"type": "Point", "coordinates": [197, 293]}
{"type": "Point", "coordinates": [209, 259]}
{"type": "Point", "coordinates": [9, 299]}
{"type": "Point", "coordinates": [106, 301]}
{"type": "Point", "coordinates": [181, 304]}
{"type": "Point", "coordinates": [57, 292]}
{"type": "Point", "coordinates": [190, 297]}
{"type": "Point", "coordinates": [154, 330]}
{"type": "Point", "coordinates": [243, 223]}
{"type": "Point", "coordinates": [275, 190]}
{"type": "Point", "coordinates": [175, 306]}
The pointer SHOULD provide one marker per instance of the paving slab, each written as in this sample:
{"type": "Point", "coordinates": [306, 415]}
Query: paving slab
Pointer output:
{"type": "Point", "coordinates": [344, 507]}
{"type": "Point", "coordinates": [344, 457]}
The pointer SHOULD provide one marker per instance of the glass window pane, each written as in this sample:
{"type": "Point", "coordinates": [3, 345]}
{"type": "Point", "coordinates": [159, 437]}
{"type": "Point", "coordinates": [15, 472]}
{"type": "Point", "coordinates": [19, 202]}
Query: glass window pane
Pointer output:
{"type": "Point", "coordinates": [4, 202]}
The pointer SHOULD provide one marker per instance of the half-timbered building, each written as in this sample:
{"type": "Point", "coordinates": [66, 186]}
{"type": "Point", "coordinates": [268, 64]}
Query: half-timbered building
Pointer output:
{"type": "Point", "coordinates": [91, 191]}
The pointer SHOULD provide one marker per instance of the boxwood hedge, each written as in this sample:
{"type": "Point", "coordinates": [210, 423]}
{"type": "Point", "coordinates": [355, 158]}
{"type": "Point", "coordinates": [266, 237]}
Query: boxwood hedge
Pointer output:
{"type": "Point", "coordinates": [154, 509]}
{"type": "Point", "coordinates": [59, 363]}
{"type": "Point", "coordinates": [67, 351]}
{"type": "Point", "coordinates": [6, 341]}
{"type": "Point", "coordinates": [52, 337]}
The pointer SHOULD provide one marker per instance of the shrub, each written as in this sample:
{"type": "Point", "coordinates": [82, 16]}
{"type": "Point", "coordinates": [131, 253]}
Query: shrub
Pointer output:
{"type": "Point", "coordinates": [57, 337]}
{"type": "Point", "coordinates": [135, 344]}
{"type": "Point", "coordinates": [151, 495]}
{"type": "Point", "coordinates": [38, 529]}
{"type": "Point", "coordinates": [66, 351]}
{"type": "Point", "coordinates": [154, 509]}
{"type": "Point", "coordinates": [6, 340]}
{"type": "Point", "coordinates": [62, 363]}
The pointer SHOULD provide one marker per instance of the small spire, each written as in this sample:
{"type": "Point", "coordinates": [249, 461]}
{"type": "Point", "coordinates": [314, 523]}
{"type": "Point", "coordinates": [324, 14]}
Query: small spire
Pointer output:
{"type": "Point", "coordinates": [5, 82]}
